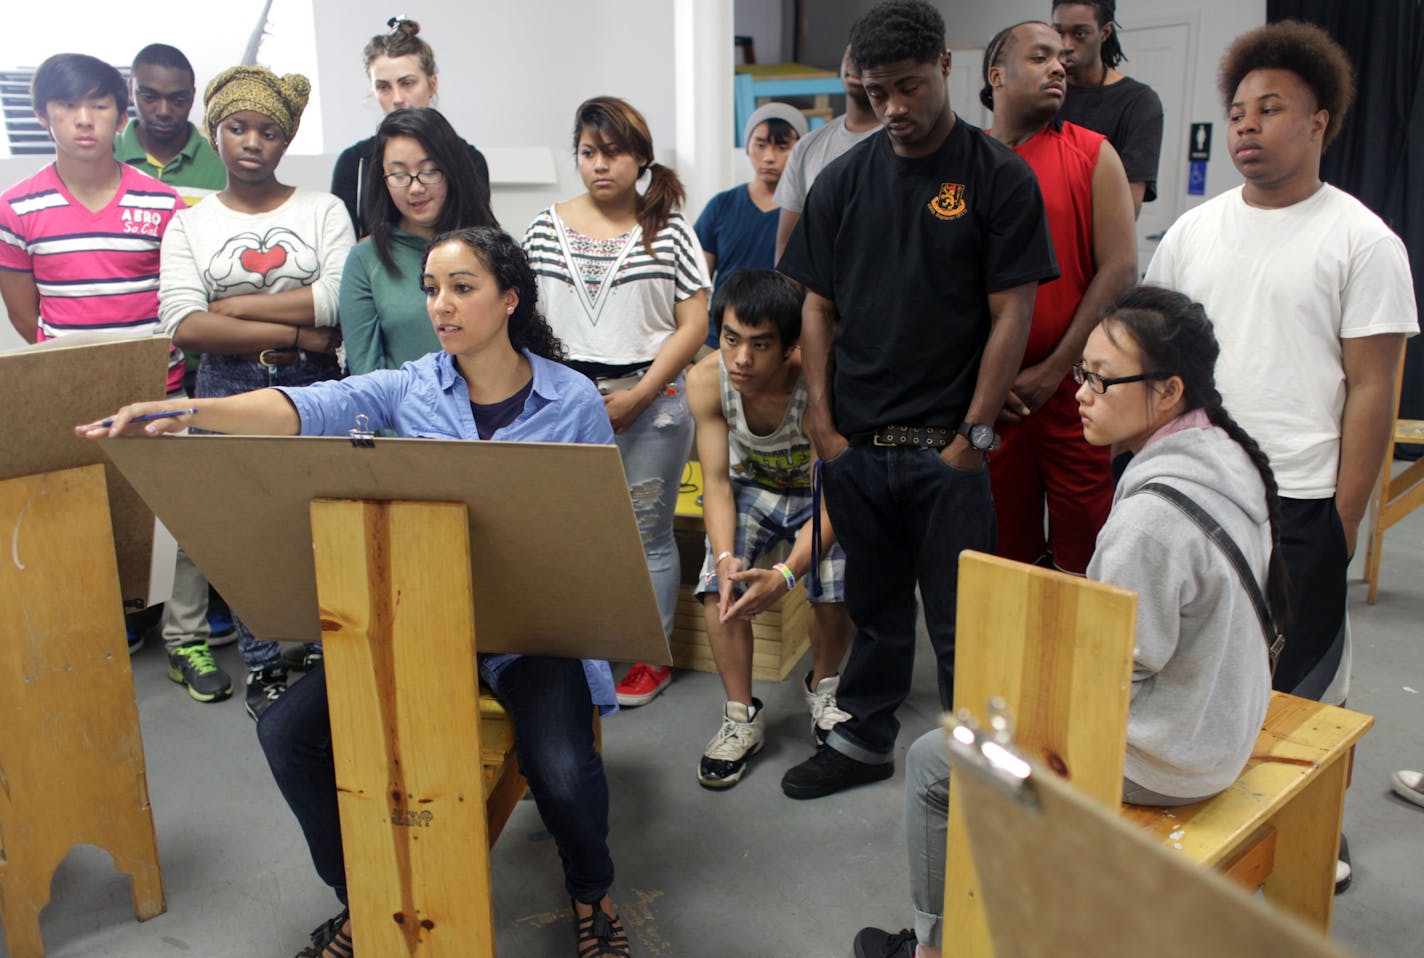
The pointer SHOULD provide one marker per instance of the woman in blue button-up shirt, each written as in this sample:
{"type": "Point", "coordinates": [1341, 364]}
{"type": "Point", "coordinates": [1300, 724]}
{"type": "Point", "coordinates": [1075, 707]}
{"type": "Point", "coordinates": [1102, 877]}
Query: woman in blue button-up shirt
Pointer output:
{"type": "Point", "coordinates": [497, 377]}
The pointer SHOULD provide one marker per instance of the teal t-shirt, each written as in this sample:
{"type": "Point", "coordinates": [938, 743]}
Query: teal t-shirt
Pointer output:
{"type": "Point", "coordinates": [383, 317]}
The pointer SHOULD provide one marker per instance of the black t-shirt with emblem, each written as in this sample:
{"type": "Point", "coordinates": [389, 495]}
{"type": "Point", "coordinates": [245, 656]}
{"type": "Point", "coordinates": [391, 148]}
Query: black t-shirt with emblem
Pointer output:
{"type": "Point", "coordinates": [909, 249]}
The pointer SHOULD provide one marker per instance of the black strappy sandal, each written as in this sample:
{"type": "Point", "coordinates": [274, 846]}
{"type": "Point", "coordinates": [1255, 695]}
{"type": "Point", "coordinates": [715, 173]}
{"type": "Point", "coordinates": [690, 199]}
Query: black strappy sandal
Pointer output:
{"type": "Point", "coordinates": [330, 939]}
{"type": "Point", "coordinates": [600, 936]}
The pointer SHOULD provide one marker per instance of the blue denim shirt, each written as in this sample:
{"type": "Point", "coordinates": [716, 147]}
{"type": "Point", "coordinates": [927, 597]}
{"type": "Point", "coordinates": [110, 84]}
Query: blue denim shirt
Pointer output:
{"type": "Point", "coordinates": [429, 399]}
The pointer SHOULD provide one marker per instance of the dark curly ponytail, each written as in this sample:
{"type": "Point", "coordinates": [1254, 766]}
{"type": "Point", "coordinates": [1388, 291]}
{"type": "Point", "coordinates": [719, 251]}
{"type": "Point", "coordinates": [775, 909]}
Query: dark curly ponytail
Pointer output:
{"type": "Point", "coordinates": [1175, 338]}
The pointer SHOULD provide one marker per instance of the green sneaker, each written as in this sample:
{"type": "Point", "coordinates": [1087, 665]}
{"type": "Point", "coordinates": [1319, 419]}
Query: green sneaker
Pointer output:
{"type": "Point", "coordinates": [192, 665]}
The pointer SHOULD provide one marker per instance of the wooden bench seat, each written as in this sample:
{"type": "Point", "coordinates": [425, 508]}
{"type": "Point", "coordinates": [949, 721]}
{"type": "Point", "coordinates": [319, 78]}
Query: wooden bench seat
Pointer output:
{"type": "Point", "coordinates": [1278, 825]}
{"type": "Point", "coordinates": [1058, 650]}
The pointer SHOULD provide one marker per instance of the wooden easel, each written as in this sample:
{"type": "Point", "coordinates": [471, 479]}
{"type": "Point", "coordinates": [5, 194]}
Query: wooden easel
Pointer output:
{"type": "Point", "coordinates": [1060, 874]}
{"type": "Point", "coordinates": [71, 759]}
{"type": "Point", "coordinates": [397, 619]}
{"type": "Point", "coordinates": [390, 552]}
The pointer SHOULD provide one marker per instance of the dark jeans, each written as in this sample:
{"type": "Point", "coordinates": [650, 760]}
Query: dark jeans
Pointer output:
{"type": "Point", "coordinates": [548, 701]}
{"type": "Point", "coordinates": [1313, 546]}
{"type": "Point", "coordinates": [903, 515]}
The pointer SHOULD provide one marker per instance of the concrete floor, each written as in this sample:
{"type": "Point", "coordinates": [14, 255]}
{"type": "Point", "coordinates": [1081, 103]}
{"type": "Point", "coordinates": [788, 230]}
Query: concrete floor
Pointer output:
{"type": "Point", "coordinates": [743, 873]}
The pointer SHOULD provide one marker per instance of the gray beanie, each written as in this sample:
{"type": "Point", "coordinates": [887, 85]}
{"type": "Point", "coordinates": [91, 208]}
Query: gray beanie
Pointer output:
{"type": "Point", "coordinates": [775, 111]}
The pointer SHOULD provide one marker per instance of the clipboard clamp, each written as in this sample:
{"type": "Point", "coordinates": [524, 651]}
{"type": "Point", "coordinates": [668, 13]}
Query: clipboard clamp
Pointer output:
{"type": "Point", "coordinates": [990, 754]}
{"type": "Point", "coordinates": [362, 437]}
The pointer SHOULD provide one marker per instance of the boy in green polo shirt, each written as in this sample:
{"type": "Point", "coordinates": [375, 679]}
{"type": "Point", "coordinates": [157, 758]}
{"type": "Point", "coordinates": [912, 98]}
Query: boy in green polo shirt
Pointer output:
{"type": "Point", "coordinates": [161, 142]}
{"type": "Point", "coordinates": [165, 145]}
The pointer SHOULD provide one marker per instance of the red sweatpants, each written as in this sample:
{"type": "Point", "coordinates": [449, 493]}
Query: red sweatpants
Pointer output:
{"type": "Point", "coordinates": [1046, 458]}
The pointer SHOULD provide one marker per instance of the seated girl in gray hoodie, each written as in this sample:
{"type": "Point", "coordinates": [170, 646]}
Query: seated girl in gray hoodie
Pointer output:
{"type": "Point", "coordinates": [1201, 678]}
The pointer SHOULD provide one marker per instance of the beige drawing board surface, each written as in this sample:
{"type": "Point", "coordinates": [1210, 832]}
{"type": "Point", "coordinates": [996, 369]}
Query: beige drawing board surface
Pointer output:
{"type": "Point", "coordinates": [557, 561]}
{"type": "Point", "coordinates": [1063, 876]}
{"type": "Point", "coordinates": [46, 390]}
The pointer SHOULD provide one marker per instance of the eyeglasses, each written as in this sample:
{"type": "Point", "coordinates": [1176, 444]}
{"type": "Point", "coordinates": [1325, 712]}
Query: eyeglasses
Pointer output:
{"type": "Point", "coordinates": [402, 181]}
{"type": "Point", "coordinates": [1100, 384]}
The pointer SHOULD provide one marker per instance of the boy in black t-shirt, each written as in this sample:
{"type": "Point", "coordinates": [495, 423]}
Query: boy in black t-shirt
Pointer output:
{"type": "Point", "coordinates": [1126, 111]}
{"type": "Point", "coordinates": [921, 249]}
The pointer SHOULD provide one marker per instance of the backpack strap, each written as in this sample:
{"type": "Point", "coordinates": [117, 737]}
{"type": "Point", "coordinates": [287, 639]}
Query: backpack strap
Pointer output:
{"type": "Point", "coordinates": [1275, 641]}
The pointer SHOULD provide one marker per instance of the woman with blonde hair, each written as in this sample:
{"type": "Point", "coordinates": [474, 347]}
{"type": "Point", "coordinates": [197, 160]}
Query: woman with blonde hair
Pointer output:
{"type": "Point", "coordinates": [401, 68]}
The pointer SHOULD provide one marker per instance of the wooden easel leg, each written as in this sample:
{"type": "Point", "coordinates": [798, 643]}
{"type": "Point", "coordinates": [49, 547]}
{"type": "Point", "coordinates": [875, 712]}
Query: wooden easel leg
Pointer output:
{"type": "Point", "coordinates": [397, 614]}
{"type": "Point", "coordinates": [1308, 841]}
{"type": "Point", "coordinates": [62, 653]}
{"type": "Point", "coordinates": [21, 900]}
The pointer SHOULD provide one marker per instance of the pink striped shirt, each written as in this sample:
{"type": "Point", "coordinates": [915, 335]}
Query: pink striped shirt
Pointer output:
{"type": "Point", "coordinates": [95, 270]}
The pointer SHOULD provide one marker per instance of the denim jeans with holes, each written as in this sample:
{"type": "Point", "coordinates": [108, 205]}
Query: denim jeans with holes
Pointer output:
{"type": "Point", "coordinates": [655, 450]}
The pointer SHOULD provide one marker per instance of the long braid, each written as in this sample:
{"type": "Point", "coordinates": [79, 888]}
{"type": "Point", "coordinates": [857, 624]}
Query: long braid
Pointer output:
{"type": "Point", "coordinates": [1277, 578]}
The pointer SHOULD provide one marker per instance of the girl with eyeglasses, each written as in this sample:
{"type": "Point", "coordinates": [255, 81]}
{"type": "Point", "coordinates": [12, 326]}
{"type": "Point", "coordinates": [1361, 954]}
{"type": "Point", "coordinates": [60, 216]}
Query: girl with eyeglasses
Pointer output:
{"type": "Point", "coordinates": [420, 183]}
{"type": "Point", "coordinates": [1201, 678]}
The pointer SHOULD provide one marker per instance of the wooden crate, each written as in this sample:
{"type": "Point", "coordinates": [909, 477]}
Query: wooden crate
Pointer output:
{"type": "Point", "coordinates": [780, 635]}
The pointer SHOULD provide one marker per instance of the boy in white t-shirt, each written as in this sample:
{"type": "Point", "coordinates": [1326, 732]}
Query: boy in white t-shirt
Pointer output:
{"type": "Point", "coordinates": [1311, 297]}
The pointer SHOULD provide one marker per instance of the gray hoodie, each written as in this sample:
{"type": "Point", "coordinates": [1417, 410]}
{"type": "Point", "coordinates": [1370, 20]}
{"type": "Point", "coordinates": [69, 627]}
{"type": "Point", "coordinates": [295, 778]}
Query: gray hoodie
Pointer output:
{"type": "Point", "coordinates": [1200, 680]}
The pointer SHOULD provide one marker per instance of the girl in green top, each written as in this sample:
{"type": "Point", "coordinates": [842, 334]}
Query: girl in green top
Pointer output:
{"type": "Point", "coordinates": [422, 183]}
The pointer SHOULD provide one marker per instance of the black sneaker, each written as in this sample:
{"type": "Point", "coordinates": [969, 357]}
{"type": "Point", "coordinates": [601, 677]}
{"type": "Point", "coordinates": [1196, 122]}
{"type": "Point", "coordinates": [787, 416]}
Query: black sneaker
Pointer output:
{"type": "Point", "coordinates": [265, 686]}
{"type": "Point", "coordinates": [828, 772]}
{"type": "Point", "coordinates": [739, 738]}
{"type": "Point", "coordinates": [301, 658]}
{"type": "Point", "coordinates": [192, 665]}
{"type": "Point", "coordinates": [874, 943]}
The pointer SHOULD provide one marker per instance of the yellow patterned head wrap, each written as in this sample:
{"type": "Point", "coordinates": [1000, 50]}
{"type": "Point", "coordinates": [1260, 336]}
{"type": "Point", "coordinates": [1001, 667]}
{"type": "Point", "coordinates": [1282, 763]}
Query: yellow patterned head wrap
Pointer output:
{"type": "Point", "coordinates": [258, 89]}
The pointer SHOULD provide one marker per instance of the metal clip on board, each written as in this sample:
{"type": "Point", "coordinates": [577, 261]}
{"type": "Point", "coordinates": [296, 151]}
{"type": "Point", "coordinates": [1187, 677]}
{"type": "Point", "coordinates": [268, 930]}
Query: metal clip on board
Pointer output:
{"type": "Point", "coordinates": [362, 437]}
{"type": "Point", "coordinates": [991, 755]}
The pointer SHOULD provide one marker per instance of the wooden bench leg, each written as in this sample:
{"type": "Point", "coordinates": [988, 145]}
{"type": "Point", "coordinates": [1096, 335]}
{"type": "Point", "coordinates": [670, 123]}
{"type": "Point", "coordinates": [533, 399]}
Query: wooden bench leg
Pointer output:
{"type": "Point", "coordinates": [1307, 843]}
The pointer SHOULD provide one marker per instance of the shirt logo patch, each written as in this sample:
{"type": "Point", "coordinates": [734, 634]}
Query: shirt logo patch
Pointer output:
{"type": "Point", "coordinates": [949, 204]}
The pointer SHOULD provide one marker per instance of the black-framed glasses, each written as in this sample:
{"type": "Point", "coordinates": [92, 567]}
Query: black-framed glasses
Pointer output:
{"type": "Point", "coordinates": [1100, 384]}
{"type": "Point", "coordinates": [425, 177]}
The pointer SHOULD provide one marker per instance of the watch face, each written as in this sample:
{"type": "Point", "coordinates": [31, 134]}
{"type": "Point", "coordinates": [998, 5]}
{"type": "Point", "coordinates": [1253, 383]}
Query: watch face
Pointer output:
{"type": "Point", "coordinates": [981, 436]}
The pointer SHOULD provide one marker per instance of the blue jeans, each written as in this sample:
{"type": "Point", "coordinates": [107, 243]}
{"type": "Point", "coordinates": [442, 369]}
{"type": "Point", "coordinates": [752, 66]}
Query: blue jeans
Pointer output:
{"type": "Point", "coordinates": [903, 515]}
{"type": "Point", "coordinates": [548, 701]}
{"type": "Point", "coordinates": [227, 376]}
{"type": "Point", "coordinates": [655, 450]}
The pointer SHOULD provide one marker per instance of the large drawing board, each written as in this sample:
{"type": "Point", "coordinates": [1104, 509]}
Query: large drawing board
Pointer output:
{"type": "Point", "coordinates": [46, 390]}
{"type": "Point", "coordinates": [556, 558]}
{"type": "Point", "coordinates": [1063, 876]}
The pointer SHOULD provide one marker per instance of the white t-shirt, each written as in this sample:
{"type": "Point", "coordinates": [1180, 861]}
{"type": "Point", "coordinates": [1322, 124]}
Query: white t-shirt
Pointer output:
{"type": "Point", "coordinates": [809, 157]}
{"type": "Point", "coordinates": [1283, 288]}
{"type": "Point", "coordinates": [212, 251]}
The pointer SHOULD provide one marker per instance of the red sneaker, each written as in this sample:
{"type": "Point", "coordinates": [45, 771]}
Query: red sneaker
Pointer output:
{"type": "Point", "coordinates": [642, 684]}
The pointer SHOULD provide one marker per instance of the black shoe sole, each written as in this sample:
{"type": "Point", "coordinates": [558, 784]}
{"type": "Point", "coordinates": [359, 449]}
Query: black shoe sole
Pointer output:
{"type": "Point", "coordinates": [802, 792]}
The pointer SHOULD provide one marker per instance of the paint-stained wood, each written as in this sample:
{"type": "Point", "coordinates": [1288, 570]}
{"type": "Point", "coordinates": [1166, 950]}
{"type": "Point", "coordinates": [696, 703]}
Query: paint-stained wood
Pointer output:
{"type": "Point", "coordinates": [397, 614]}
{"type": "Point", "coordinates": [71, 758]}
{"type": "Point", "coordinates": [1295, 784]}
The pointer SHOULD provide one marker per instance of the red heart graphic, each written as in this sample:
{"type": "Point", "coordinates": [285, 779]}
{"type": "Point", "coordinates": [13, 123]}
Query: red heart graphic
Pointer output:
{"type": "Point", "coordinates": [263, 261]}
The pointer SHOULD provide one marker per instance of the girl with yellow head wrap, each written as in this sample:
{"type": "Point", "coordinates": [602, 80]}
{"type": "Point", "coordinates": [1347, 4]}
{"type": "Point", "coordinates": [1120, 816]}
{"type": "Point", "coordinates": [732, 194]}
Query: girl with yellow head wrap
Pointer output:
{"type": "Point", "coordinates": [251, 277]}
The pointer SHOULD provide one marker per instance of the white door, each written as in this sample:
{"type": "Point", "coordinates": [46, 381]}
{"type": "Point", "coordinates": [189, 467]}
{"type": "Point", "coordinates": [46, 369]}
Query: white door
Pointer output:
{"type": "Point", "coordinates": [965, 81]}
{"type": "Point", "coordinates": [1161, 57]}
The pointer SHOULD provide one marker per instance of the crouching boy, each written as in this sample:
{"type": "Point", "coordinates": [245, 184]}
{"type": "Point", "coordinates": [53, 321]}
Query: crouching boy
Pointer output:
{"type": "Point", "coordinates": [748, 401]}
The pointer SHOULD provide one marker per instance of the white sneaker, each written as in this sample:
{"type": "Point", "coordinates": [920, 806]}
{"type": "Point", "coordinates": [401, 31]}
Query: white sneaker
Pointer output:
{"type": "Point", "coordinates": [1410, 786]}
{"type": "Point", "coordinates": [739, 738]}
{"type": "Point", "coordinates": [825, 714]}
